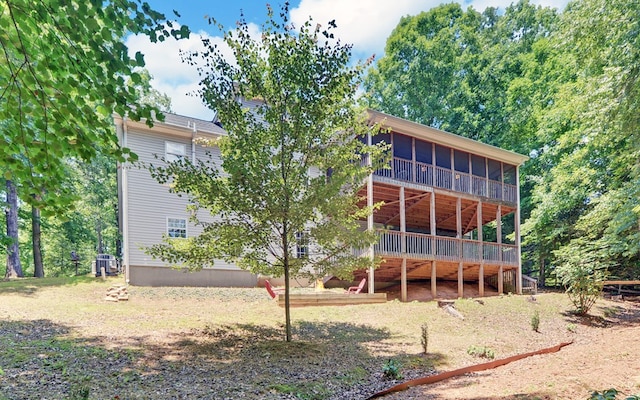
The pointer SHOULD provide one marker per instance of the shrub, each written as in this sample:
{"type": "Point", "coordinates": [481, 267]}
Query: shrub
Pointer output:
{"type": "Point", "coordinates": [582, 272]}
{"type": "Point", "coordinates": [481, 351]}
{"type": "Point", "coordinates": [424, 338]}
{"type": "Point", "coordinates": [79, 392]}
{"type": "Point", "coordinates": [610, 394]}
{"type": "Point", "coordinates": [391, 369]}
{"type": "Point", "coordinates": [535, 321]}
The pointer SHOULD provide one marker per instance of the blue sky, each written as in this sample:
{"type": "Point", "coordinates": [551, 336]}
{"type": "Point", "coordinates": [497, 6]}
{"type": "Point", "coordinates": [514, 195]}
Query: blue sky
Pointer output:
{"type": "Point", "coordinates": [365, 24]}
{"type": "Point", "coordinates": [226, 12]}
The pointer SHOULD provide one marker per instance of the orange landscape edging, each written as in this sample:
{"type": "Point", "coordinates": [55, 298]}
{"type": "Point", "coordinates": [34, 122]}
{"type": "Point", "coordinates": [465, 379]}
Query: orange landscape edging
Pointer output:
{"type": "Point", "coordinates": [473, 368]}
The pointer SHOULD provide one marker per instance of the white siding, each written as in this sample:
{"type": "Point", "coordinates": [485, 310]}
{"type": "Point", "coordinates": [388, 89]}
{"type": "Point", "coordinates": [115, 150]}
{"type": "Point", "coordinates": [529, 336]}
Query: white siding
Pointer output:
{"type": "Point", "coordinates": [150, 204]}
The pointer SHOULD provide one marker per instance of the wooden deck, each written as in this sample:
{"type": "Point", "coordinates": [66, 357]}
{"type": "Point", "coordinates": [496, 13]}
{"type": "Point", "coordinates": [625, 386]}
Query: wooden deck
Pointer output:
{"type": "Point", "coordinates": [617, 286]}
{"type": "Point", "coordinates": [622, 282]}
{"type": "Point", "coordinates": [331, 299]}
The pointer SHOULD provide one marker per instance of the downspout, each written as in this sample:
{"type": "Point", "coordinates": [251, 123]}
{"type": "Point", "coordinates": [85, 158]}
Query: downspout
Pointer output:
{"type": "Point", "coordinates": [193, 143]}
{"type": "Point", "coordinates": [125, 206]}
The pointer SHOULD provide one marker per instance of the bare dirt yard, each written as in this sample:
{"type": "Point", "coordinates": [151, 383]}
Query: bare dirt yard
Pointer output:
{"type": "Point", "coordinates": [60, 339]}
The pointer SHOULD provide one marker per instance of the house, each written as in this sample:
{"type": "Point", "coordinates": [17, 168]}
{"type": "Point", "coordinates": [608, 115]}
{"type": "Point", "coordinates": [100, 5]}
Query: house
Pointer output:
{"type": "Point", "coordinates": [447, 203]}
{"type": "Point", "coordinates": [450, 204]}
{"type": "Point", "coordinates": [147, 210]}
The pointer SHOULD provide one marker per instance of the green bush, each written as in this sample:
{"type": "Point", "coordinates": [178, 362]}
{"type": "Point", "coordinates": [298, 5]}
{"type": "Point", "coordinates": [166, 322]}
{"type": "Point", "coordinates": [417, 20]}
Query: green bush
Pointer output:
{"type": "Point", "coordinates": [535, 321]}
{"type": "Point", "coordinates": [610, 394]}
{"type": "Point", "coordinates": [582, 272]}
{"type": "Point", "coordinates": [424, 338]}
{"type": "Point", "coordinates": [481, 351]}
{"type": "Point", "coordinates": [391, 369]}
{"type": "Point", "coordinates": [79, 391]}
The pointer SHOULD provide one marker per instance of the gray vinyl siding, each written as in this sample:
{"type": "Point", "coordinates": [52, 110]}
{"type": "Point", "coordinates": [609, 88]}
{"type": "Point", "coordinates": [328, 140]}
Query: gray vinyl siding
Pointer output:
{"type": "Point", "coordinates": [150, 204]}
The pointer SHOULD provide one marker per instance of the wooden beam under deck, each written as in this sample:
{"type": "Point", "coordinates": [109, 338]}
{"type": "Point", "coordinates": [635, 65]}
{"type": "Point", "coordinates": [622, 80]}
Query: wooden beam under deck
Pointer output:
{"type": "Point", "coordinates": [391, 270]}
{"type": "Point", "coordinates": [409, 213]}
{"type": "Point", "coordinates": [417, 208]}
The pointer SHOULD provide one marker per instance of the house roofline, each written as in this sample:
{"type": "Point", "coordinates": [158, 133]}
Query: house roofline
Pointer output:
{"type": "Point", "coordinates": [177, 125]}
{"type": "Point", "coordinates": [180, 125]}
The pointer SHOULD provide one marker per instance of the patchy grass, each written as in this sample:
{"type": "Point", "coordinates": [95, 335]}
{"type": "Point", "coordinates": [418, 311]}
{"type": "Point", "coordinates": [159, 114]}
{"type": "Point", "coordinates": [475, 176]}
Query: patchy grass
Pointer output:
{"type": "Point", "coordinates": [60, 339]}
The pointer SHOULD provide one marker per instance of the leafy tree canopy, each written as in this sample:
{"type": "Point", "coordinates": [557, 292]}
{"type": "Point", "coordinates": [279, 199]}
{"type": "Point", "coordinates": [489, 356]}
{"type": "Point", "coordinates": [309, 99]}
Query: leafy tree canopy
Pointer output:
{"type": "Point", "coordinates": [285, 199]}
{"type": "Point", "coordinates": [561, 87]}
{"type": "Point", "coordinates": [63, 69]}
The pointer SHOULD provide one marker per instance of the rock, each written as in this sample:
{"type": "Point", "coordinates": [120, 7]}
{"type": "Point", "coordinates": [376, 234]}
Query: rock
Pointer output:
{"type": "Point", "coordinates": [450, 309]}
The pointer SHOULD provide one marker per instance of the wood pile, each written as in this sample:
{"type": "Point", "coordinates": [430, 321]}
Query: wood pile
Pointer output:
{"type": "Point", "coordinates": [117, 293]}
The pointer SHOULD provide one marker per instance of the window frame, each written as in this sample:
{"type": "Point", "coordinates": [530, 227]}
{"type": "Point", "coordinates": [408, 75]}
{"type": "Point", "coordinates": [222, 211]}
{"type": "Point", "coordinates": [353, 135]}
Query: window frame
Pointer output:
{"type": "Point", "coordinates": [302, 244]}
{"type": "Point", "coordinates": [170, 155]}
{"type": "Point", "coordinates": [174, 228]}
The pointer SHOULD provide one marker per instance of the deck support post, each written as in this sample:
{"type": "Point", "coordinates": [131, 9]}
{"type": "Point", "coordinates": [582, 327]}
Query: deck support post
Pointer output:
{"type": "Point", "coordinates": [517, 233]}
{"type": "Point", "coordinates": [432, 232]}
{"type": "Point", "coordinates": [500, 280]}
{"type": "Point", "coordinates": [499, 228]}
{"type": "Point", "coordinates": [403, 246]}
{"type": "Point", "coordinates": [371, 278]}
{"type": "Point", "coordinates": [403, 280]}
{"type": "Point", "coordinates": [434, 291]}
{"type": "Point", "coordinates": [481, 280]}
{"type": "Point", "coordinates": [459, 237]}
{"type": "Point", "coordinates": [460, 280]}
{"type": "Point", "coordinates": [479, 232]}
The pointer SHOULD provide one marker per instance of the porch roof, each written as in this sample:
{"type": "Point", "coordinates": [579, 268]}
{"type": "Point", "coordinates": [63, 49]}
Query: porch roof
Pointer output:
{"type": "Point", "coordinates": [437, 136]}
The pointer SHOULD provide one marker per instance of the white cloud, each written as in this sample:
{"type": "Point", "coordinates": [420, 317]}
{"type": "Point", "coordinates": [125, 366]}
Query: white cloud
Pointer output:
{"type": "Point", "coordinates": [480, 5]}
{"type": "Point", "coordinates": [366, 25]}
{"type": "Point", "coordinates": [170, 74]}
{"type": "Point", "coordinates": [177, 79]}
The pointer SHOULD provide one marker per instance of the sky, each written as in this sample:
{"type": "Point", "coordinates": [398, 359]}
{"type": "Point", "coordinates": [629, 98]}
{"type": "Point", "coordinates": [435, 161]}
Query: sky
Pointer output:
{"type": "Point", "coordinates": [365, 24]}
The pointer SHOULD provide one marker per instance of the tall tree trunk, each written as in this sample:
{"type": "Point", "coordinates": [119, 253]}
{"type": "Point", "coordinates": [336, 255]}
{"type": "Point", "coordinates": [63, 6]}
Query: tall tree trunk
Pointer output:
{"type": "Point", "coordinates": [99, 236]}
{"type": "Point", "coordinates": [14, 268]}
{"type": "Point", "coordinates": [36, 234]}
{"type": "Point", "coordinates": [543, 273]}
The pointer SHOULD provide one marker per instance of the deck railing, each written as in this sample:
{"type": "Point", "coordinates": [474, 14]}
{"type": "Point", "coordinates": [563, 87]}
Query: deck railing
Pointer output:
{"type": "Point", "coordinates": [445, 178]}
{"type": "Point", "coordinates": [422, 246]}
{"type": "Point", "coordinates": [529, 284]}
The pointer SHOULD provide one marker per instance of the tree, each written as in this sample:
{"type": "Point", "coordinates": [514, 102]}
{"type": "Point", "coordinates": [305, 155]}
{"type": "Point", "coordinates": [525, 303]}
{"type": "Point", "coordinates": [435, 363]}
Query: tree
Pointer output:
{"type": "Point", "coordinates": [148, 95]}
{"type": "Point", "coordinates": [63, 70]}
{"type": "Point", "coordinates": [285, 196]}
{"type": "Point", "coordinates": [36, 242]}
{"type": "Point", "coordinates": [14, 267]}
{"type": "Point", "coordinates": [593, 157]}
{"type": "Point", "coordinates": [582, 271]}
{"type": "Point", "coordinates": [451, 69]}
{"type": "Point", "coordinates": [63, 73]}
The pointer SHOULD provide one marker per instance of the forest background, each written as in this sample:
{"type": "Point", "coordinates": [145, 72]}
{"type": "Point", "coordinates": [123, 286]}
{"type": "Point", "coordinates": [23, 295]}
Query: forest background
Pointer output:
{"type": "Point", "coordinates": [560, 86]}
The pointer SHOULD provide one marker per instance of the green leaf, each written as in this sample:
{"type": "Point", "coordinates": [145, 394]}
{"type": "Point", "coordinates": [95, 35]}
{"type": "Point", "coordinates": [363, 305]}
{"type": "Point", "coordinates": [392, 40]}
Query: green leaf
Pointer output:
{"type": "Point", "coordinates": [140, 59]}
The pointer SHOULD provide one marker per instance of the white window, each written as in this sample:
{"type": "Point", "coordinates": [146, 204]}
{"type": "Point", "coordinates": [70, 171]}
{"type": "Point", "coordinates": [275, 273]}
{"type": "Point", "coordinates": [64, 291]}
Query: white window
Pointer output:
{"type": "Point", "coordinates": [174, 151]}
{"type": "Point", "coordinates": [302, 244]}
{"type": "Point", "coordinates": [176, 227]}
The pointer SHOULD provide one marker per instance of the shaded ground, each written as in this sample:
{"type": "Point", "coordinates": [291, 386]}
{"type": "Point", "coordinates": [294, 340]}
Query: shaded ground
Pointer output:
{"type": "Point", "coordinates": [444, 290]}
{"type": "Point", "coordinates": [63, 341]}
